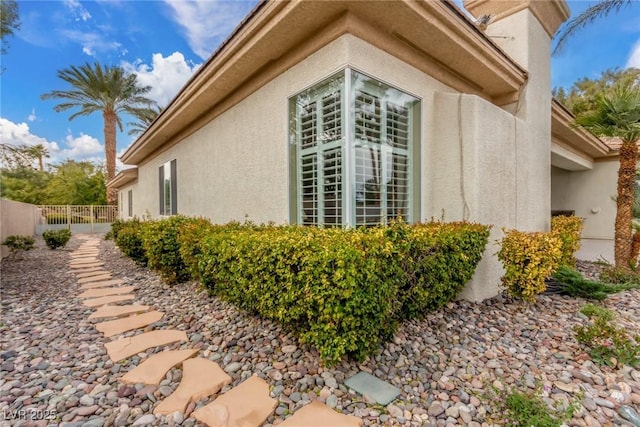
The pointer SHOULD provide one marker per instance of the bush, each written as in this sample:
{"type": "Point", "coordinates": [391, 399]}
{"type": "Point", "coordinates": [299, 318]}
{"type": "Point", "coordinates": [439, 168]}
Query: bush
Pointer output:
{"type": "Point", "coordinates": [620, 276]}
{"type": "Point", "coordinates": [567, 229]}
{"type": "Point", "coordinates": [571, 282]}
{"type": "Point", "coordinates": [129, 240]}
{"type": "Point", "coordinates": [18, 243]}
{"type": "Point", "coordinates": [528, 259]}
{"type": "Point", "coordinates": [56, 238]}
{"type": "Point", "coordinates": [608, 344]}
{"type": "Point", "coordinates": [190, 237]}
{"type": "Point", "coordinates": [116, 226]}
{"type": "Point", "coordinates": [342, 291]}
{"type": "Point", "coordinates": [161, 246]}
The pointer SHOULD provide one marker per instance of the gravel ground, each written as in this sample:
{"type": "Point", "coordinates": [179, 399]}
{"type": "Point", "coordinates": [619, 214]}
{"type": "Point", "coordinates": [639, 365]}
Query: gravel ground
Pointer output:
{"type": "Point", "coordinates": [54, 368]}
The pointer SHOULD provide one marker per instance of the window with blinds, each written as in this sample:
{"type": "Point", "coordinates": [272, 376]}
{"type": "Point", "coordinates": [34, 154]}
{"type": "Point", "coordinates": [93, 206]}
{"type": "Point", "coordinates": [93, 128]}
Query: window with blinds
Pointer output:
{"type": "Point", "coordinates": [354, 144]}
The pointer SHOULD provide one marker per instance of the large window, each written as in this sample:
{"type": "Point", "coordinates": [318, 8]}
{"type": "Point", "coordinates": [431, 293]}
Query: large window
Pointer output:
{"type": "Point", "coordinates": [168, 188]}
{"type": "Point", "coordinates": [354, 153]}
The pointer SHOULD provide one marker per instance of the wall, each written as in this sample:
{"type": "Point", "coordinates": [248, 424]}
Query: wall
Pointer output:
{"type": "Point", "coordinates": [17, 218]}
{"type": "Point", "coordinates": [589, 193]}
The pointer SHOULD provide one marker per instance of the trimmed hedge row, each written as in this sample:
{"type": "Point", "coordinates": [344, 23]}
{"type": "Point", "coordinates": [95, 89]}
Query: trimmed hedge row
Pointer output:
{"type": "Point", "coordinates": [342, 291]}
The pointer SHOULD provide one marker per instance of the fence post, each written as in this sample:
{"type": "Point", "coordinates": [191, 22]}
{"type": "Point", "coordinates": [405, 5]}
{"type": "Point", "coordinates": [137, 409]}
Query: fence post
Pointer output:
{"type": "Point", "coordinates": [91, 213]}
{"type": "Point", "coordinates": [69, 217]}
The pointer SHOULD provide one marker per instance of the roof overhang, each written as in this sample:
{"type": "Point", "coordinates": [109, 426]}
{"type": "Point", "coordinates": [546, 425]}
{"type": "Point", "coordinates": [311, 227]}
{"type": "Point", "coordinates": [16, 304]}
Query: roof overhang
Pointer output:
{"type": "Point", "coordinates": [435, 37]}
{"type": "Point", "coordinates": [124, 177]}
{"type": "Point", "coordinates": [572, 139]}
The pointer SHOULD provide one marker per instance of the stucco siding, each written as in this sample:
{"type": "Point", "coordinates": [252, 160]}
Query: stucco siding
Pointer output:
{"type": "Point", "coordinates": [590, 194]}
{"type": "Point", "coordinates": [17, 218]}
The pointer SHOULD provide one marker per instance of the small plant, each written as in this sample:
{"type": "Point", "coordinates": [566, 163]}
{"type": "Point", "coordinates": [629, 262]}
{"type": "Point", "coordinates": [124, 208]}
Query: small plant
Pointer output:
{"type": "Point", "coordinates": [608, 344]}
{"type": "Point", "coordinates": [56, 238]}
{"type": "Point", "coordinates": [514, 407]}
{"type": "Point", "coordinates": [18, 243]}
{"type": "Point", "coordinates": [620, 275]}
{"type": "Point", "coordinates": [567, 229]}
{"type": "Point", "coordinates": [570, 282]}
{"type": "Point", "coordinates": [528, 259]}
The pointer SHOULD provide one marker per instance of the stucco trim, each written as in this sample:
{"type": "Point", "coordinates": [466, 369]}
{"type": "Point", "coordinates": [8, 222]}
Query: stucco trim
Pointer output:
{"type": "Point", "coordinates": [550, 13]}
{"type": "Point", "coordinates": [123, 178]}
{"type": "Point", "coordinates": [278, 35]}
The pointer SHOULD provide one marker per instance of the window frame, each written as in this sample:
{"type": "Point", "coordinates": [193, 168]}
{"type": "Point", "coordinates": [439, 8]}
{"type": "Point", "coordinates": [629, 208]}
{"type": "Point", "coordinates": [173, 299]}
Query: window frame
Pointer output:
{"type": "Point", "coordinates": [348, 146]}
{"type": "Point", "coordinates": [169, 183]}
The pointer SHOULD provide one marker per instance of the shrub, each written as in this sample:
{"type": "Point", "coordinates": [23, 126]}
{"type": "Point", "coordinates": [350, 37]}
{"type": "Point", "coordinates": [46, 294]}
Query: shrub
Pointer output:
{"type": "Point", "coordinates": [608, 344]}
{"type": "Point", "coordinates": [515, 407]}
{"type": "Point", "coordinates": [56, 238]}
{"type": "Point", "coordinates": [116, 226]}
{"type": "Point", "coordinates": [567, 229]}
{"type": "Point", "coordinates": [160, 243]}
{"type": "Point", "coordinates": [18, 243]}
{"type": "Point", "coordinates": [572, 283]}
{"type": "Point", "coordinates": [129, 240]}
{"type": "Point", "coordinates": [528, 259]}
{"type": "Point", "coordinates": [342, 291]}
{"type": "Point", "coordinates": [620, 276]}
{"type": "Point", "coordinates": [190, 237]}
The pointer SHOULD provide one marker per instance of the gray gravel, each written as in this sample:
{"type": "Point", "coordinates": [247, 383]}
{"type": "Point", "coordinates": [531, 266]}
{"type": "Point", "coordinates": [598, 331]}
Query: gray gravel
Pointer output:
{"type": "Point", "coordinates": [53, 363]}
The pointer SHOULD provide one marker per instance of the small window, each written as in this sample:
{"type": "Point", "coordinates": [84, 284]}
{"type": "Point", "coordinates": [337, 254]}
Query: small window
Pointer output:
{"type": "Point", "coordinates": [168, 188]}
{"type": "Point", "coordinates": [130, 199]}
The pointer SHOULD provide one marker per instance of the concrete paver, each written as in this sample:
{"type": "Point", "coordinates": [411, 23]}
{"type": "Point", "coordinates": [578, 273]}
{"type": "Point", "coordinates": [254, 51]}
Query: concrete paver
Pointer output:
{"type": "Point", "coordinates": [129, 323]}
{"type": "Point", "coordinates": [126, 347]}
{"type": "Point", "coordinates": [233, 408]}
{"type": "Point", "coordinates": [97, 302]}
{"type": "Point", "coordinates": [317, 414]}
{"type": "Point", "coordinates": [153, 370]}
{"type": "Point", "coordinates": [366, 384]}
{"type": "Point", "coordinates": [200, 378]}
{"type": "Point", "coordinates": [107, 311]}
{"type": "Point", "coordinates": [103, 292]}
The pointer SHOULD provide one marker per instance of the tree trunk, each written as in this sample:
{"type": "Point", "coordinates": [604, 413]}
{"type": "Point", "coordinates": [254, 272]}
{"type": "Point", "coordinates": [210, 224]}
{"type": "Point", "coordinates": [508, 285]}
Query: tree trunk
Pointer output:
{"type": "Point", "coordinates": [110, 151]}
{"type": "Point", "coordinates": [624, 214]}
{"type": "Point", "coordinates": [40, 162]}
{"type": "Point", "coordinates": [635, 249]}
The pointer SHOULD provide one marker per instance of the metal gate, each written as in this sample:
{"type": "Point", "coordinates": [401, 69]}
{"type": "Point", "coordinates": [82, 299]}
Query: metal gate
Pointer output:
{"type": "Point", "coordinates": [77, 218]}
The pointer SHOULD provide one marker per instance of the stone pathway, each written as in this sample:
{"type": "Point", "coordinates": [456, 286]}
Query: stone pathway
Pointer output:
{"type": "Point", "coordinates": [246, 405]}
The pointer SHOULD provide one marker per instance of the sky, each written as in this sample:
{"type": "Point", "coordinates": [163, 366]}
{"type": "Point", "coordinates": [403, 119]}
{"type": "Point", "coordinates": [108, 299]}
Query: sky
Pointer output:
{"type": "Point", "coordinates": [165, 41]}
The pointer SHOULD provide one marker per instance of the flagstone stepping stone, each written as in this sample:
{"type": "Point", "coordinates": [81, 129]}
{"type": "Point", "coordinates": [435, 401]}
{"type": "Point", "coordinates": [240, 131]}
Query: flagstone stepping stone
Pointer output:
{"type": "Point", "coordinates": [135, 321]}
{"type": "Point", "coordinates": [317, 414]}
{"type": "Point", "coordinates": [200, 378]}
{"type": "Point", "coordinates": [126, 347]}
{"type": "Point", "coordinates": [246, 405]}
{"type": "Point", "coordinates": [95, 271]}
{"type": "Point", "coordinates": [366, 384]}
{"type": "Point", "coordinates": [84, 256]}
{"type": "Point", "coordinates": [117, 311]}
{"type": "Point", "coordinates": [83, 262]}
{"type": "Point", "coordinates": [91, 264]}
{"type": "Point", "coordinates": [96, 302]}
{"type": "Point", "coordinates": [153, 370]}
{"type": "Point", "coordinates": [105, 276]}
{"type": "Point", "coordinates": [103, 292]}
{"type": "Point", "coordinates": [93, 285]}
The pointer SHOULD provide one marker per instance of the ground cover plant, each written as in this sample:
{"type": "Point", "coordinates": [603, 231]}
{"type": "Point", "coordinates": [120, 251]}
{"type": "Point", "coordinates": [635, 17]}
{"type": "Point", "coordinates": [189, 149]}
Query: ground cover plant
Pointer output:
{"type": "Point", "coordinates": [18, 243]}
{"type": "Point", "coordinates": [56, 238]}
{"type": "Point", "coordinates": [570, 282]}
{"type": "Point", "coordinates": [608, 344]}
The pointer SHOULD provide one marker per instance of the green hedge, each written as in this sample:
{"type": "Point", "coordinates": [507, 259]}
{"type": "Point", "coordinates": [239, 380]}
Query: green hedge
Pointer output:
{"type": "Point", "coordinates": [342, 291]}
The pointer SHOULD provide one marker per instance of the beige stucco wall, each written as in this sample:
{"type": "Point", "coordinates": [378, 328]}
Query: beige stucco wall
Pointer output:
{"type": "Point", "coordinates": [237, 166]}
{"type": "Point", "coordinates": [589, 193]}
{"type": "Point", "coordinates": [123, 201]}
{"type": "Point", "coordinates": [17, 218]}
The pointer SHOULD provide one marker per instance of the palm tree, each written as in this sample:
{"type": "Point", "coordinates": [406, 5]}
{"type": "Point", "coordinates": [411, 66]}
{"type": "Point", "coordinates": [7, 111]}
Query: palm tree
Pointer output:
{"type": "Point", "coordinates": [617, 114]}
{"type": "Point", "coordinates": [38, 151]}
{"type": "Point", "coordinates": [108, 90]}
{"type": "Point", "coordinates": [592, 13]}
{"type": "Point", "coordinates": [145, 117]}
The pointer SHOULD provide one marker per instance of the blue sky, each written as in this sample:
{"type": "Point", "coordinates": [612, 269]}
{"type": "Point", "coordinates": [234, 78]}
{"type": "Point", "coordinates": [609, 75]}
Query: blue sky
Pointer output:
{"type": "Point", "coordinates": [165, 41]}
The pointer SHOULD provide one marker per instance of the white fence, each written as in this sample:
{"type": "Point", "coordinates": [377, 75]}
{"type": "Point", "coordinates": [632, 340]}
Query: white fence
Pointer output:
{"type": "Point", "coordinates": [78, 218]}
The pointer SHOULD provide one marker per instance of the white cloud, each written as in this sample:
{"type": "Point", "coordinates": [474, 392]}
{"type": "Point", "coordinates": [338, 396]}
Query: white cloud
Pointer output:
{"type": "Point", "coordinates": [166, 76]}
{"type": "Point", "coordinates": [634, 56]}
{"type": "Point", "coordinates": [78, 11]}
{"type": "Point", "coordinates": [83, 147]}
{"type": "Point", "coordinates": [32, 117]}
{"type": "Point", "coordinates": [92, 43]}
{"type": "Point", "coordinates": [208, 22]}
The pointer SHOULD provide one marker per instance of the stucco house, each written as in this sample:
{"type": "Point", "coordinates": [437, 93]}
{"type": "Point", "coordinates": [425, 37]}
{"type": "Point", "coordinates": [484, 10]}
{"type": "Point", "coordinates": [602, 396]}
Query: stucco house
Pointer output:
{"type": "Point", "coordinates": [352, 112]}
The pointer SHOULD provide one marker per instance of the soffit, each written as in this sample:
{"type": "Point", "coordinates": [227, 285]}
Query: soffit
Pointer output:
{"type": "Point", "coordinates": [581, 141]}
{"type": "Point", "coordinates": [123, 178]}
{"type": "Point", "coordinates": [432, 36]}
